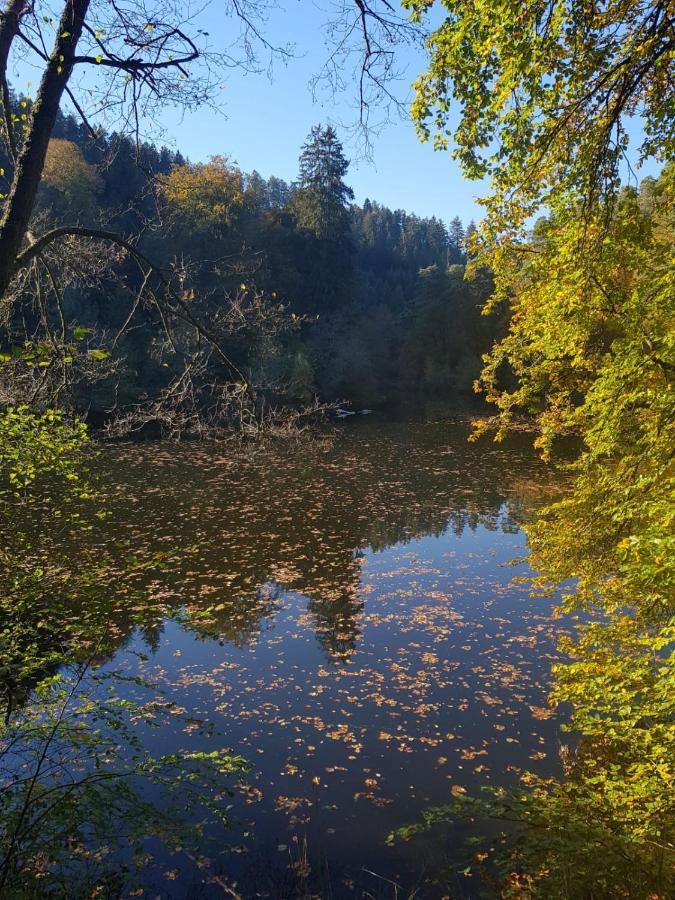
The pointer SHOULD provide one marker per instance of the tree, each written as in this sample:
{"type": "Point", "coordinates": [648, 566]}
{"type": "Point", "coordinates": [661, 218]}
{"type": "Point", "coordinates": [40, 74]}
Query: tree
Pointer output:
{"type": "Point", "coordinates": [278, 193]}
{"type": "Point", "coordinates": [469, 237]}
{"type": "Point", "coordinates": [74, 781]}
{"type": "Point", "coordinates": [456, 232]}
{"type": "Point", "coordinates": [132, 55]}
{"type": "Point", "coordinates": [456, 237]}
{"type": "Point", "coordinates": [70, 182]}
{"type": "Point", "coordinates": [207, 195]}
{"type": "Point", "coordinates": [592, 352]}
{"type": "Point", "coordinates": [320, 201]}
{"type": "Point", "coordinates": [319, 206]}
{"type": "Point", "coordinates": [544, 104]}
{"type": "Point", "coordinates": [446, 335]}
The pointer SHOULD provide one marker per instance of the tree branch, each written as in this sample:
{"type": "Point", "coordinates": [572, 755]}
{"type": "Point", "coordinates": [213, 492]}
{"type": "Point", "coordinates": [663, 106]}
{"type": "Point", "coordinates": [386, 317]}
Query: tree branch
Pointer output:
{"type": "Point", "coordinates": [184, 312]}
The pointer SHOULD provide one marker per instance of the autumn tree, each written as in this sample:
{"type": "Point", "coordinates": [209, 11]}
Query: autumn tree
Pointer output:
{"type": "Point", "coordinates": [70, 185]}
{"type": "Point", "coordinates": [544, 106]}
{"type": "Point", "coordinates": [206, 195]}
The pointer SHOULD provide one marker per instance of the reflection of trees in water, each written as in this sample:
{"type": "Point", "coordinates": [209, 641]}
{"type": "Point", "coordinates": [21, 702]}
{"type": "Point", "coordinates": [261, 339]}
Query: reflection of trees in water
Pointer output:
{"type": "Point", "coordinates": [336, 609]}
{"type": "Point", "coordinates": [217, 542]}
{"type": "Point", "coordinates": [239, 620]}
{"type": "Point", "coordinates": [299, 517]}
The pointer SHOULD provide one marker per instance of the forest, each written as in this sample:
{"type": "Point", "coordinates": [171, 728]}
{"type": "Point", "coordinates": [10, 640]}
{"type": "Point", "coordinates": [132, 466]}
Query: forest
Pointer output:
{"type": "Point", "coordinates": [339, 304]}
{"type": "Point", "coordinates": [337, 554]}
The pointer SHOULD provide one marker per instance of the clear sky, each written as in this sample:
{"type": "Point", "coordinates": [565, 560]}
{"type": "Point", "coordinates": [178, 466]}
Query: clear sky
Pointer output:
{"type": "Point", "coordinates": [266, 117]}
{"type": "Point", "coordinates": [266, 120]}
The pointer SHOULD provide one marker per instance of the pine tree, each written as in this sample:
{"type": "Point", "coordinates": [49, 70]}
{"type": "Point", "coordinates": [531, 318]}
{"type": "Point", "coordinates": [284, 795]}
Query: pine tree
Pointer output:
{"type": "Point", "coordinates": [320, 207]}
{"type": "Point", "coordinates": [456, 237]}
{"type": "Point", "coordinates": [320, 202]}
{"type": "Point", "coordinates": [456, 232]}
{"type": "Point", "coordinates": [278, 192]}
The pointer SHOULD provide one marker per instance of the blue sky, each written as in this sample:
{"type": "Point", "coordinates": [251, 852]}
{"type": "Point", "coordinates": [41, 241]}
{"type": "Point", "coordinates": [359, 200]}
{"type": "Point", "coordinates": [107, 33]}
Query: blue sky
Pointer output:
{"type": "Point", "coordinates": [266, 120]}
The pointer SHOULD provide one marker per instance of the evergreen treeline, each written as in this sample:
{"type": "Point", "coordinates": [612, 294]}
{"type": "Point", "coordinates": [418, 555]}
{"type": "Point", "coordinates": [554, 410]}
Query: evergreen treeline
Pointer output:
{"type": "Point", "coordinates": [377, 295]}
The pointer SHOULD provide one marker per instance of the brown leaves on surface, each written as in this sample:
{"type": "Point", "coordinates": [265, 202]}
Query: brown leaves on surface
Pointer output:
{"type": "Point", "coordinates": [348, 621]}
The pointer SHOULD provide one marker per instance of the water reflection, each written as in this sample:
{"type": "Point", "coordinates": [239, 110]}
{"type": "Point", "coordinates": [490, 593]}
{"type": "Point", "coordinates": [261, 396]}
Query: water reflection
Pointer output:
{"type": "Point", "coordinates": [299, 518]}
{"type": "Point", "coordinates": [344, 617]}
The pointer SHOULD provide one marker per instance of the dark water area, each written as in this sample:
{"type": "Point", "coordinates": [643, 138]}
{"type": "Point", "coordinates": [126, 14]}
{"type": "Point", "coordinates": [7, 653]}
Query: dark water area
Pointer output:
{"type": "Point", "coordinates": [351, 625]}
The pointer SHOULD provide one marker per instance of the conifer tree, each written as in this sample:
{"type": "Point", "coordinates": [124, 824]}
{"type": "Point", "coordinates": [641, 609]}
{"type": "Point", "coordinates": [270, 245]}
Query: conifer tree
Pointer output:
{"type": "Point", "coordinates": [320, 208]}
{"type": "Point", "coordinates": [320, 203]}
{"type": "Point", "coordinates": [456, 232]}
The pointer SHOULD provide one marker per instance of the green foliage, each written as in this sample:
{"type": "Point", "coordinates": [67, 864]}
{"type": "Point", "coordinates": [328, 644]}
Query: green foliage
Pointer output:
{"type": "Point", "coordinates": [447, 336]}
{"type": "Point", "coordinates": [35, 445]}
{"type": "Point", "coordinates": [75, 820]}
{"type": "Point", "coordinates": [601, 329]}
{"type": "Point", "coordinates": [544, 93]}
{"type": "Point", "coordinates": [560, 842]}
{"type": "Point", "coordinates": [592, 353]}
{"type": "Point", "coordinates": [319, 207]}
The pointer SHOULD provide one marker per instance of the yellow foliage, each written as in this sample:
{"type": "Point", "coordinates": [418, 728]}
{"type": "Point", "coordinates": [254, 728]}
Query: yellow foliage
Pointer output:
{"type": "Point", "coordinates": [67, 172]}
{"type": "Point", "coordinates": [207, 195]}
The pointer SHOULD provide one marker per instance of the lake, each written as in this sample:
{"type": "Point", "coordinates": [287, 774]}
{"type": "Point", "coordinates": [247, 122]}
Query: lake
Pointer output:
{"type": "Point", "coordinates": [351, 625]}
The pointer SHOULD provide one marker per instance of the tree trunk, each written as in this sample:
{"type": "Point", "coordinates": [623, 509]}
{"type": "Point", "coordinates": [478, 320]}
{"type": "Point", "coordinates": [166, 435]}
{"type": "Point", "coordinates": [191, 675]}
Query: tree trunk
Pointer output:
{"type": "Point", "coordinates": [9, 27]}
{"type": "Point", "coordinates": [29, 165]}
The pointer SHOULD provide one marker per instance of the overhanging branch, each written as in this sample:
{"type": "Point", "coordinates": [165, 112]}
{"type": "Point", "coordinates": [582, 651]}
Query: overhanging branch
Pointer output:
{"type": "Point", "coordinates": [183, 310]}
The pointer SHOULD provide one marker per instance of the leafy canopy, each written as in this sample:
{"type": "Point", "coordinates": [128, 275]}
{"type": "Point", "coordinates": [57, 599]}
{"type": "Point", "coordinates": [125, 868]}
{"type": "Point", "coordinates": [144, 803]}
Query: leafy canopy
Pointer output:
{"type": "Point", "coordinates": [544, 92]}
{"type": "Point", "coordinates": [205, 195]}
{"type": "Point", "coordinates": [75, 182]}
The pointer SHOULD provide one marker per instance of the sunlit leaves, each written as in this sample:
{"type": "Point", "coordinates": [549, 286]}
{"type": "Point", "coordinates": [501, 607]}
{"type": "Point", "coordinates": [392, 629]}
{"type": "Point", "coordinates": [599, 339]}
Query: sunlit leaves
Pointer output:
{"type": "Point", "coordinates": [69, 182]}
{"type": "Point", "coordinates": [592, 353]}
{"type": "Point", "coordinates": [34, 445]}
{"type": "Point", "coordinates": [544, 92]}
{"type": "Point", "coordinates": [206, 195]}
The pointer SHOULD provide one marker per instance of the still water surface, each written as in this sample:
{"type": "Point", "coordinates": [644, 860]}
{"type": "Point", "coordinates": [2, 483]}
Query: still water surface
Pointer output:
{"type": "Point", "coordinates": [360, 639]}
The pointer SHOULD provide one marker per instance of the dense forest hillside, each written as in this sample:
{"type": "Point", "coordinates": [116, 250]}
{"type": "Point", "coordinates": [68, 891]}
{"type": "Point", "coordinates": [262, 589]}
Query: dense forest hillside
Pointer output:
{"type": "Point", "coordinates": [362, 304]}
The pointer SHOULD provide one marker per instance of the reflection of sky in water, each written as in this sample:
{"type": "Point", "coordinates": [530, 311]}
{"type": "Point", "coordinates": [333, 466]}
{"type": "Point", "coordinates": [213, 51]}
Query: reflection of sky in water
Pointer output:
{"type": "Point", "coordinates": [396, 677]}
